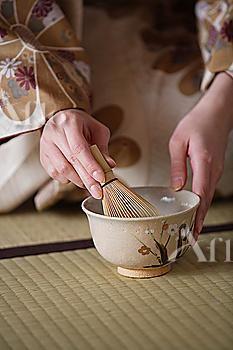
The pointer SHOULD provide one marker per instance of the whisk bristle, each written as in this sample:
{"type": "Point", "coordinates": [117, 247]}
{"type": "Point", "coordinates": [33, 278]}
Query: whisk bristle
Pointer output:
{"type": "Point", "coordinates": [120, 201]}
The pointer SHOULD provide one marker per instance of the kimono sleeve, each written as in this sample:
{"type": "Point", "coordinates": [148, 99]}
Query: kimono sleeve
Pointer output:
{"type": "Point", "coordinates": [215, 23]}
{"type": "Point", "coordinates": [43, 66]}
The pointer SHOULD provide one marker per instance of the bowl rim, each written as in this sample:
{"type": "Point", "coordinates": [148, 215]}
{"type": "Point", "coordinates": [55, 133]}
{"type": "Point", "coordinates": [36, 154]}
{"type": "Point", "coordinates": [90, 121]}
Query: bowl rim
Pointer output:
{"type": "Point", "coordinates": [146, 218]}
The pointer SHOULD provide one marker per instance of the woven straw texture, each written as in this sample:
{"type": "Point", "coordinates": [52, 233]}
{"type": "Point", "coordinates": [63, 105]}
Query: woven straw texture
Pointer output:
{"type": "Point", "coordinates": [66, 223]}
{"type": "Point", "coordinates": [26, 226]}
{"type": "Point", "coordinates": [220, 212]}
{"type": "Point", "coordinates": [75, 300]}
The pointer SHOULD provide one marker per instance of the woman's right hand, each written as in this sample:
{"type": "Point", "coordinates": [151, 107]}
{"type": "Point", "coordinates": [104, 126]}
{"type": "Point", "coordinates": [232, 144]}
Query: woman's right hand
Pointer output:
{"type": "Point", "coordinates": [65, 149]}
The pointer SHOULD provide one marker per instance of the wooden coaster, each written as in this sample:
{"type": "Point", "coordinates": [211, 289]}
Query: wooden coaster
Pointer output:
{"type": "Point", "coordinates": [144, 273]}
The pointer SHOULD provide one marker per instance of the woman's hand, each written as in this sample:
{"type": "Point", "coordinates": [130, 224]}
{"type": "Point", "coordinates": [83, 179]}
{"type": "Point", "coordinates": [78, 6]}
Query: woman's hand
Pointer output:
{"type": "Point", "coordinates": [202, 136]}
{"type": "Point", "coordinates": [65, 149]}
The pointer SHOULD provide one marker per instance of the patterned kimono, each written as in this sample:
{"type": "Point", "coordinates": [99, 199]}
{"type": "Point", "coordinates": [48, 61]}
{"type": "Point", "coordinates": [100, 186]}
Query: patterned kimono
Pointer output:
{"type": "Point", "coordinates": [44, 69]}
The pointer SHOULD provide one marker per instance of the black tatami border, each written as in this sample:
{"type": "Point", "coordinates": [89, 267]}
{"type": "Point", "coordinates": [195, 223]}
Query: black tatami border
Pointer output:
{"type": "Point", "coordinates": [56, 247]}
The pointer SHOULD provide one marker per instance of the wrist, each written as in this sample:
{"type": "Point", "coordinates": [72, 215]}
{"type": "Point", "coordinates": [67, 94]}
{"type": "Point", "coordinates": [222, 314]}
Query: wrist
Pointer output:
{"type": "Point", "coordinates": [220, 95]}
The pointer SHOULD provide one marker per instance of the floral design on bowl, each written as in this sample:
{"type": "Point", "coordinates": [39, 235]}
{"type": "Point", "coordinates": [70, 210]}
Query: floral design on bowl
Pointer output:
{"type": "Point", "coordinates": [145, 247]}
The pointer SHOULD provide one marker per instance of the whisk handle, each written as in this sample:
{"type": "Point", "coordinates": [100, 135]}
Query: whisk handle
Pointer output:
{"type": "Point", "coordinates": [100, 158]}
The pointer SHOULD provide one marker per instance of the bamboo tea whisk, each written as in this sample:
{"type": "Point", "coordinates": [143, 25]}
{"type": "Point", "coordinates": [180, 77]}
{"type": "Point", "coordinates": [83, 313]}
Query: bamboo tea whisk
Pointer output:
{"type": "Point", "coordinates": [118, 200]}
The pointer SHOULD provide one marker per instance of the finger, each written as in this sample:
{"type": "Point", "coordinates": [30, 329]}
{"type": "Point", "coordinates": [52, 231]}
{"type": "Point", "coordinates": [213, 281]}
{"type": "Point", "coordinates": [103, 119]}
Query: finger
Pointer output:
{"type": "Point", "coordinates": [92, 186]}
{"type": "Point", "coordinates": [203, 209]}
{"type": "Point", "coordinates": [80, 151]}
{"type": "Point", "coordinates": [215, 174]}
{"type": "Point", "coordinates": [201, 186]}
{"type": "Point", "coordinates": [89, 182]}
{"type": "Point", "coordinates": [51, 170]}
{"type": "Point", "coordinates": [178, 155]}
{"type": "Point", "coordinates": [63, 167]}
{"type": "Point", "coordinates": [110, 161]}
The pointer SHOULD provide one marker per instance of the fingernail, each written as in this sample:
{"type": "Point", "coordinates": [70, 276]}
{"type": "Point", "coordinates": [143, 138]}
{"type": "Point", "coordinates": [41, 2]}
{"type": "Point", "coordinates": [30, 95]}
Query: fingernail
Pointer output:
{"type": "Point", "coordinates": [195, 235]}
{"type": "Point", "coordinates": [193, 239]}
{"type": "Point", "coordinates": [96, 191]}
{"type": "Point", "coordinates": [177, 183]}
{"type": "Point", "coordinates": [98, 175]}
{"type": "Point", "coordinates": [199, 227]}
{"type": "Point", "coordinates": [112, 162]}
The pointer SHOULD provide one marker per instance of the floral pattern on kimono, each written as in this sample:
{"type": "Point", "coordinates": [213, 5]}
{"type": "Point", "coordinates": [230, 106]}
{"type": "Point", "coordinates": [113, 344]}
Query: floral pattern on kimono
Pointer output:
{"type": "Point", "coordinates": [43, 68]}
{"type": "Point", "coordinates": [215, 20]}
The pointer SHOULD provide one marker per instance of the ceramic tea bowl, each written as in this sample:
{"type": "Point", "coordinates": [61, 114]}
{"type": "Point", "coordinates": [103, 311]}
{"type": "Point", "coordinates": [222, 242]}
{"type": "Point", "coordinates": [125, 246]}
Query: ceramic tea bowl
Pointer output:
{"type": "Point", "coordinates": [145, 247]}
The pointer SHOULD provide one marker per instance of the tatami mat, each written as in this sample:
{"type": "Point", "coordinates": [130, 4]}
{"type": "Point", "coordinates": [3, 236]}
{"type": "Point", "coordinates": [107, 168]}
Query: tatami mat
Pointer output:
{"type": "Point", "coordinates": [221, 212]}
{"type": "Point", "coordinates": [75, 300]}
{"type": "Point", "coordinates": [25, 226]}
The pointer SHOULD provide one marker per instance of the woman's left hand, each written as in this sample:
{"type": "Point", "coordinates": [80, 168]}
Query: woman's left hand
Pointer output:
{"type": "Point", "coordinates": [202, 137]}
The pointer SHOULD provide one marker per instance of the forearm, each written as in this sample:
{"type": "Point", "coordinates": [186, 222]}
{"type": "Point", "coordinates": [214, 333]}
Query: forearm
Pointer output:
{"type": "Point", "coordinates": [220, 96]}
{"type": "Point", "coordinates": [225, 84]}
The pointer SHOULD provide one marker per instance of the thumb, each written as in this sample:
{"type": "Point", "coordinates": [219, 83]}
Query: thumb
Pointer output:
{"type": "Point", "coordinates": [104, 151]}
{"type": "Point", "coordinates": [178, 154]}
{"type": "Point", "coordinates": [110, 161]}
